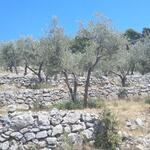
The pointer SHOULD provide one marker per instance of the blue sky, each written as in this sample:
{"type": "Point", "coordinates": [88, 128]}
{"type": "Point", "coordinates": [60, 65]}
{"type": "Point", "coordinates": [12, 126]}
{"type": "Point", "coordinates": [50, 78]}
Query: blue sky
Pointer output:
{"type": "Point", "coordinates": [29, 17]}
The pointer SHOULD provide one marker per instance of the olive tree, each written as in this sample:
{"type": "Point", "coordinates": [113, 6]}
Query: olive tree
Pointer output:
{"type": "Point", "coordinates": [142, 55]}
{"type": "Point", "coordinates": [54, 43]}
{"type": "Point", "coordinates": [10, 56]}
{"type": "Point", "coordinates": [33, 55]}
{"type": "Point", "coordinates": [102, 45]}
{"type": "Point", "coordinates": [25, 45]}
{"type": "Point", "coordinates": [71, 66]}
{"type": "Point", "coordinates": [59, 57]}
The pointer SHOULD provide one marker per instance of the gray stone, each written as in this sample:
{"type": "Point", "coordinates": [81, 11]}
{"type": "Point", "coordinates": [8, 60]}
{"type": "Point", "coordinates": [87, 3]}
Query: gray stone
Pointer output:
{"type": "Point", "coordinates": [4, 146]}
{"type": "Point", "coordinates": [29, 136]}
{"type": "Point", "coordinates": [57, 130]}
{"type": "Point", "coordinates": [14, 145]}
{"type": "Point", "coordinates": [54, 111]}
{"type": "Point", "coordinates": [49, 132]}
{"type": "Point", "coordinates": [139, 122]}
{"type": "Point", "coordinates": [67, 129]}
{"type": "Point", "coordinates": [75, 138]}
{"type": "Point", "coordinates": [56, 119]}
{"type": "Point", "coordinates": [41, 134]}
{"type": "Point", "coordinates": [5, 136]}
{"type": "Point", "coordinates": [24, 130]}
{"type": "Point", "coordinates": [43, 119]}
{"type": "Point", "coordinates": [2, 139]}
{"type": "Point", "coordinates": [51, 140]}
{"type": "Point", "coordinates": [16, 135]}
{"type": "Point", "coordinates": [71, 117]}
{"type": "Point", "coordinates": [22, 121]}
{"type": "Point", "coordinates": [11, 108]}
{"type": "Point", "coordinates": [44, 127]}
{"type": "Point", "coordinates": [42, 144]}
{"type": "Point", "coordinates": [88, 124]}
{"type": "Point", "coordinates": [35, 129]}
{"type": "Point", "coordinates": [88, 134]}
{"type": "Point", "coordinates": [78, 127]}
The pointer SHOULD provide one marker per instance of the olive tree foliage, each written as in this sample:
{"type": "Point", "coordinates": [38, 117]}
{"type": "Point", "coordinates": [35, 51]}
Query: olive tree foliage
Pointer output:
{"type": "Point", "coordinates": [10, 57]}
{"type": "Point", "coordinates": [59, 57]}
{"type": "Point", "coordinates": [71, 66]}
{"type": "Point", "coordinates": [121, 61]}
{"type": "Point", "coordinates": [25, 46]}
{"type": "Point", "coordinates": [33, 55]}
{"type": "Point", "coordinates": [81, 40]}
{"type": "Point", "coordinates": [102, 46]}
{"type": "Point", "coordinates": [54, 43]}
{"type": "Point", "coordinates": [132, 36]}
{"type": "Point", "coordinates": [142, 55]}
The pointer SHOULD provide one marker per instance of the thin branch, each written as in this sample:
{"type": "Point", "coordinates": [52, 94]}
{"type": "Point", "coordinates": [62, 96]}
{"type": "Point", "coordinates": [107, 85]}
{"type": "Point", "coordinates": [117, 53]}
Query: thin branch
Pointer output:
{"type": "Point", "coordinates": [32, 70]}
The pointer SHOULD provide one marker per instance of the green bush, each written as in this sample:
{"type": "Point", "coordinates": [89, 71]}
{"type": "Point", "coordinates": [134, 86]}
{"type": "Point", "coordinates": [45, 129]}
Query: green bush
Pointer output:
{"type": "Point", "coordinates": [66, 143]}
{"type": "Point", "coordinates": [79, 104]}
{"type": "Point", "coordinates": [122, 93]}
{"type": "Point", "coordinates": [37, 105]}
{"type": "Point", "coordinates": [96, 103]}
{"type": "Point", "coordinates": [107, 136]}
{"type": "Point", "coordinates": [69, 105]}
{"type": "Point", "coordinates": [147, 100]}
{"type": "Point", "coordinates": [41, 86]}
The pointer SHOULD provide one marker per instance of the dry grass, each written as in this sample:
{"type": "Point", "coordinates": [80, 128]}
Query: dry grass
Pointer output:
{"type": "Point", "coordinates": [127, 110]}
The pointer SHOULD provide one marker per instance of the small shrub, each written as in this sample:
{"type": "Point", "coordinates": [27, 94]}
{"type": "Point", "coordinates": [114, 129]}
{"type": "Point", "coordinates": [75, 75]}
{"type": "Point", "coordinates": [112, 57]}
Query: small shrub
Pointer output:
{"type": "Point", "coordinates": [147, 100]}
{"type": "Point", "coordinates": [37, 105]}
{"type": "Point", "coordinates": [69, 105]}
{"type": "Point", "coordinates": [107, 136]}
{"type": "Point", "coordinates": [122, 94]}
{"type": "Point", "coordinates": [96, 103]}
{"type": "Point", "coordinates": [66, 143]}
{"type": "Point", "coordinates": [40, 86]}
{"type": "Point", "coordinates": [32, 146]}
{"type": "Point", "coordinates": [79, 104]}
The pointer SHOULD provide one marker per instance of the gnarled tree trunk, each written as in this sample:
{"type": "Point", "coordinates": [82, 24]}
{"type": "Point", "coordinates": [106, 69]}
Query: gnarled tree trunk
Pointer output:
{"type": "Point", "coordinates": [87, 83]}
{"type": "Point", "coordinates": [72, 91]}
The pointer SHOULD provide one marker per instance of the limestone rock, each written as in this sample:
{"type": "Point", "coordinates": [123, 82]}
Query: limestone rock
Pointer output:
{"type": "Point", "coordinates": [29, 136]}
{"type": "Point", "coordinates": [51, 140]}
{"type": "Point", "coordinates": [43, 119]}
{"type": "Point", "coordinates": [41, 134]}
{"type": "Point", "coordinates": [4, 146]}
{"type": "Point", "coordinates": [71, 117]}
{"type": "Point", "coordinates": [16, 135]}
{"type": "Point", "coordinates": [22, 121]}
{"type": "Point", "coordinates": [57, 130]}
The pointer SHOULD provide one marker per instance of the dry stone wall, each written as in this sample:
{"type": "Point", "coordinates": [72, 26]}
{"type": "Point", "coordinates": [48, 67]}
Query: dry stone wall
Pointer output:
{"type": "Point", "coordinates": [103, 88]}
{"type": "Point", "coordinates": [45, 130]}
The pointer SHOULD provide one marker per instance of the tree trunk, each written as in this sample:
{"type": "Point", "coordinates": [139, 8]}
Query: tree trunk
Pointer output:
{"type": "Point", "coordinates": [87, 83]}
{"type": "Point", "coordinates": [72, 91]}
{"type": "Point", "coordinates": [15, 67]}
{"type": "Point", "coordinates": [25, 69]}
{"type": "Point", "coordinates": [39, 77]}
{"type": "Point", "coordinates": [87, 87]}
{"type": "Point", "coordinates": [132, 69]}
{"type": "Point", "coordinates": [123, 80]}
{"type": "Point", "coordinates": [46, 78]}
{"type": "Point", "coordinates": [75, 87]}
{"type": "Point", "coordinates": [10, 68]}
{"type": "Point", "coordinates": [68, 85]}
{"type": "Point", "coordinates": [39, 72]}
